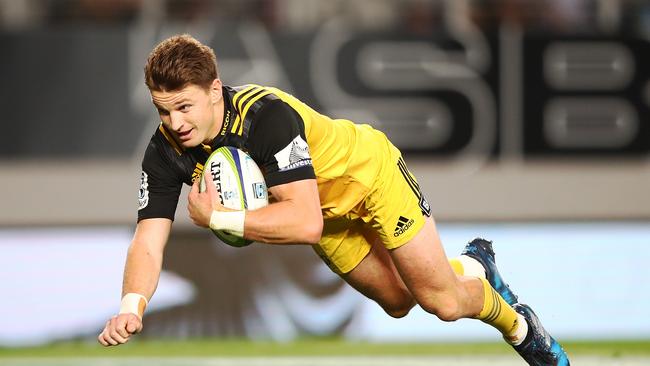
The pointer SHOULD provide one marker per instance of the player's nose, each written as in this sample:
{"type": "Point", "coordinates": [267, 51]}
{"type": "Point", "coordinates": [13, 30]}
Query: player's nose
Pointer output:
{"type": "Point", "coordinates": [176, 121]}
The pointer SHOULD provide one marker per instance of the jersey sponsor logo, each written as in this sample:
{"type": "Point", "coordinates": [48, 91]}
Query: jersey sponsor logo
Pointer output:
{"type": "Point", "coordinates": [294, 155]}
{"type": "Point", "coordinates": [143, 193]}
{"type": "Point", "coordinates": [402, 225]}
{"type": "Point", "coordinates": [226, 123]}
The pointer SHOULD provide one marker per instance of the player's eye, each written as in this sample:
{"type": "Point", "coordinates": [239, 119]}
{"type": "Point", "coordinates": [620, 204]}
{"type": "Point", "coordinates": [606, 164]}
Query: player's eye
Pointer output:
{"type": "Point", "coordinates": [162, 112]}
{"type": "Point", "coordinates": [185, 107]}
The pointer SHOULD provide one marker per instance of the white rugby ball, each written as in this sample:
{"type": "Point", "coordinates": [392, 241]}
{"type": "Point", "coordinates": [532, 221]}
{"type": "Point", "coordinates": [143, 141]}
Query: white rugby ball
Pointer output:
{"type": "Point", "coordinates": [240, 184]}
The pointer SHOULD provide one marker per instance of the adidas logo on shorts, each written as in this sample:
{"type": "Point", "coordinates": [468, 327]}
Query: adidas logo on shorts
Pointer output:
{"type": "Point", "coordinates": [402, 225]}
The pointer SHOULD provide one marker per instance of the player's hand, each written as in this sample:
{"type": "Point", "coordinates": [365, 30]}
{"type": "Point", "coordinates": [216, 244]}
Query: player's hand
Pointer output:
{"type": "Point", "coordinates": [201, 204]}
{"type": "Point", "coordinates": [119, 329]}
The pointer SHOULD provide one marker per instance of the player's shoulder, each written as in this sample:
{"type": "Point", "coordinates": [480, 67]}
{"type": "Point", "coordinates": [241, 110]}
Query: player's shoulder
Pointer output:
{"type": "Point", "coordinates": [253, 104]}
{"type": "Point", "coordinates": [248, 100]}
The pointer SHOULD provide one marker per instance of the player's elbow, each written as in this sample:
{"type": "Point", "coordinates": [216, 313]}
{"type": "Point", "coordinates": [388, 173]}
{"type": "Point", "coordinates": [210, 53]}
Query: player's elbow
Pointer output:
{"type": "Point", "coordinates": [312, 230]}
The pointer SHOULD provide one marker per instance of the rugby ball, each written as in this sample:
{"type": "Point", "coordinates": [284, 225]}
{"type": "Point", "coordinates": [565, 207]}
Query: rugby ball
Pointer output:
{"type": "Point", "coordinates": [240, 184]}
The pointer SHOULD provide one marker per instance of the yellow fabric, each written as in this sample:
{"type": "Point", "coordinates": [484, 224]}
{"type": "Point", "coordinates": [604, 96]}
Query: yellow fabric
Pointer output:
{"type": "Point", "coordinates": [343, 245]}
{"type": "Point", "coordinates": [457, 266]}
{"type": "Point", "coordinates": [347, 157]}
{"type": "Point", "coordinates": [497, 312]}
{"type": "Point", "coordinates": [360, 186]}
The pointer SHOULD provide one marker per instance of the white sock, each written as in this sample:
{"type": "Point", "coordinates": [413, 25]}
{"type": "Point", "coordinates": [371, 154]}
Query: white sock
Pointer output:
{"type": "Point", "coordinates": [471, 267]}
{"type": "Point", "coordinates": [520, 333]}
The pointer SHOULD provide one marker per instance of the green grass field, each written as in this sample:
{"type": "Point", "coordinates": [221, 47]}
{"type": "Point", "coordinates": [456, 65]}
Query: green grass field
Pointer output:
{"type": "Point", "coordinates": [312, 347]}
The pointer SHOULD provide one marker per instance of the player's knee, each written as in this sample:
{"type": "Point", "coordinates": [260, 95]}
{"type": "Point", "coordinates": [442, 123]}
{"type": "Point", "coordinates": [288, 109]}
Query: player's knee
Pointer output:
{"type": "Point", "coordinates": [400, 309]}
{"type": "Point", "coordinates": [446, 308]}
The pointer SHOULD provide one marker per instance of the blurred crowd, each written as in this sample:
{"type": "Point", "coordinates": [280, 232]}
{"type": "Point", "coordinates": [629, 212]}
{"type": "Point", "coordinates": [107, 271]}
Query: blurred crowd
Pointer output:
{"type": "Point", "coordinates": [418, 16]}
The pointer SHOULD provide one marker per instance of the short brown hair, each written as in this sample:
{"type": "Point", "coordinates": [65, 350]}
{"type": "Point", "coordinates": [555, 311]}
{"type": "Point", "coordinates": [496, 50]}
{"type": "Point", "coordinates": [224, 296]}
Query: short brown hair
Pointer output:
{"type": "Point", "coordinates": [179, 61]}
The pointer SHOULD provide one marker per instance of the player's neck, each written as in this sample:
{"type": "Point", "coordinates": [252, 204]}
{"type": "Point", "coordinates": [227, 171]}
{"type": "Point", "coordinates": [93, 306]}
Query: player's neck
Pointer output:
{"type": "Point", "coordinates": [218, 122]}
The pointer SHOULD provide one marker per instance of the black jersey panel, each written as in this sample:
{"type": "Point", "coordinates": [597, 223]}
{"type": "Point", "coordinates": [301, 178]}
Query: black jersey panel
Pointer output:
{"type": "Point", "coordinates": [277, 143]}
{"type": "Point", "coordinates": [160, 182]}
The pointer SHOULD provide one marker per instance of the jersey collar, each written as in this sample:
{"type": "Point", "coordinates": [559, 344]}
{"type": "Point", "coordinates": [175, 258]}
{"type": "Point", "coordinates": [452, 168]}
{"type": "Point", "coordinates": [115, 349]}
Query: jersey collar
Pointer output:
{"type": "Point", "coordinates": [228, 117]}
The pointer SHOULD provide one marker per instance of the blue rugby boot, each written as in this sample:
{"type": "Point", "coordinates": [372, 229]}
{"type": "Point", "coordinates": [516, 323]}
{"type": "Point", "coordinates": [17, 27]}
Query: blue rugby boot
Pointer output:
{"type": "Point", "coordinates": [481, 250]}
{"type": "Point", "coordinates": [539, 348]}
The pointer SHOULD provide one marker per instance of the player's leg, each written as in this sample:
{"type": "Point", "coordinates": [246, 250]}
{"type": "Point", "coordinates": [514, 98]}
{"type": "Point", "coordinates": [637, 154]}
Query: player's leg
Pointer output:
{"type": "Point", "coordinates": [424, 267]}
{"type": "Point", "coordinates": [399, 214]}
{"type": "Point", "coordinates": [359, 257]}
{"type": "Point", "coordinates": [377, 278]}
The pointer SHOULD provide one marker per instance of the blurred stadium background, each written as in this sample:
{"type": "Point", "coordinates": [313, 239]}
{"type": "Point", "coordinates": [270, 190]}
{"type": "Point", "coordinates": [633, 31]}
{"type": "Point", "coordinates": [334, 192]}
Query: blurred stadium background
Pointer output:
{"type": "Point", "coordinates": [525, 121]}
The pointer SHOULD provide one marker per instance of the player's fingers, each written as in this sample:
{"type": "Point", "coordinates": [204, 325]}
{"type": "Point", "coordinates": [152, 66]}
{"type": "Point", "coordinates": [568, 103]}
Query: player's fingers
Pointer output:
{"type": "Point", "coordinates": [100, 337]}
{"type": "Point", "coordinates": [120, 326]}
{"type": "Point", "coordinates": [213, 193]}
{"type": "Point", "coordinates": [114, 330]}
{"type": "Point", "coordinates": [209, 184]}
{"type": "Point", "coordinates": [117, 337]}
{"type": "Point", "coordinates": [105, 337]}
{"type": "Point", "coordinates": [108, 340]}
{"type": "Point", "coordinates": [133, 326]}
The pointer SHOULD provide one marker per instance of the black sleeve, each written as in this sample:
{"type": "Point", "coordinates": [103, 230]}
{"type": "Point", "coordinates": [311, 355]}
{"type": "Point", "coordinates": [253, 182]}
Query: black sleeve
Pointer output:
{"type": "Point", "coordinates": [278, 144]}
{"type": "Point", "coordinates": [160, 186]}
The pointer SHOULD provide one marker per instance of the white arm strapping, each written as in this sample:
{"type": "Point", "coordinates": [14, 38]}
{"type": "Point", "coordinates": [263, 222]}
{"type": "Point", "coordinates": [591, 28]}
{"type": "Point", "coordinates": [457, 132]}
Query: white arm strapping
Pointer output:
{"type": "Point", "coordinates": [133, 303]}
{"type": "Point", "coordinates": [231, 221]}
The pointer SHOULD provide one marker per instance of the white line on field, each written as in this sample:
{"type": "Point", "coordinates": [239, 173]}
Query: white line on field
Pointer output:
{"type": "Point", "coordinates": [313, 361]}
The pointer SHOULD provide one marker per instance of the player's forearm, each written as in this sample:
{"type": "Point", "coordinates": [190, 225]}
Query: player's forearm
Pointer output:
{"type": "Point", "coordinates": [284, 222]}
{"type": "Point", "coordinates": [142, 270]}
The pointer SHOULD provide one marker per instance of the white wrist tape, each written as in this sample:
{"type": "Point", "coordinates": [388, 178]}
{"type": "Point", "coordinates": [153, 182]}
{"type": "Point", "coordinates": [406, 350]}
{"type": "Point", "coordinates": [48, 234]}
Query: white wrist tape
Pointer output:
{"type": "Point", "coordinates": [133, 303]}
{"type": "Point", "coordinates": [231, 221]}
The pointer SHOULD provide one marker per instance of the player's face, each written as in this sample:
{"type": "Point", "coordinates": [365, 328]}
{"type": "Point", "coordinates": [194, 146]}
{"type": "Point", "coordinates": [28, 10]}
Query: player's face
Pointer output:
{"type": "Point", "coordinates": [191, 114]}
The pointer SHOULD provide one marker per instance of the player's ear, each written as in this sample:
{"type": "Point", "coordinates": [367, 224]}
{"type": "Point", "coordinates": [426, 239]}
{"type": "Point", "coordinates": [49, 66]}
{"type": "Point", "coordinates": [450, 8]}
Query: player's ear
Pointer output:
{"type": "Point", "coordinates": [216, 91]}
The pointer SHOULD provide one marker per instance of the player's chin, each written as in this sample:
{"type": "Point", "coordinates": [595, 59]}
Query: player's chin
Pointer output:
{"type": "Point", "coordinates": [190, 143]}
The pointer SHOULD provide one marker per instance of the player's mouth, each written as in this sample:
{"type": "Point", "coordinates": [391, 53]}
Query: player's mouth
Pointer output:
{"type": "Point", "coordinates": [185, 135]}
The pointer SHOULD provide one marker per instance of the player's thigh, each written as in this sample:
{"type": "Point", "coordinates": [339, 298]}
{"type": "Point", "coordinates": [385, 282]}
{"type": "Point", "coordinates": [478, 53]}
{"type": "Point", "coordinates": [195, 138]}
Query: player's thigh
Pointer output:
{"type": "Point", "coordinates": [377, 278]}
{"type": "Point", "coordinates": [400, 214]}
{"type": "Point", "coordinates": [424, 267]}
{"type": "Point", "coordinates": [355, 253]}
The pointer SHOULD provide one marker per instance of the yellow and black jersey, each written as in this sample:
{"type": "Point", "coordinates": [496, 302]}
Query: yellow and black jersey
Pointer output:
{"type": "Point", "coordinates": [288, 140]}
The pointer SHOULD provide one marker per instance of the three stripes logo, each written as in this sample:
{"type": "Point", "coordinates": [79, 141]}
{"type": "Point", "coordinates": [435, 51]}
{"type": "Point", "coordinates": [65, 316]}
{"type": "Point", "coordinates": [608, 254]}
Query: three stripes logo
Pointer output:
{"type": "Point", "coordinates": [415, 187]}
{"type": "Point", "coordinates": [402, 225]}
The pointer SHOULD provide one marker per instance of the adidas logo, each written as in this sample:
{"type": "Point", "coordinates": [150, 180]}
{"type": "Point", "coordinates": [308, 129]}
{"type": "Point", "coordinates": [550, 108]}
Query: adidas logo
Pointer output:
{"type": "Point", "coordinates": [402, 225]}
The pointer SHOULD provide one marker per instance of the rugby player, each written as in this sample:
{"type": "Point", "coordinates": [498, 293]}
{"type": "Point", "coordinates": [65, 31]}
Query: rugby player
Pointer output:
{"type": "Point", "coordinates": [340, 187]}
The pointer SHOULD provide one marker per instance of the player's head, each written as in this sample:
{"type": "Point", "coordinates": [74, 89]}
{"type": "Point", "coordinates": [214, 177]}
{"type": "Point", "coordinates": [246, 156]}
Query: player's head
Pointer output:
{"type": "Point", "coordinates": [181, 74]}
{"type": "Point", "coordinates": [179, 61]}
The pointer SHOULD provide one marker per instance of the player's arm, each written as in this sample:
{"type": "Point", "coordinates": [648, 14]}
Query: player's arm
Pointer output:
{"type": "Point", "coordinates": [145, 255]}
{"type": "Point", "coordinates": [277, 143]}
{"type": "Point", "coordinates": [158, 197]}
{"type": "Point", "coordinates": [295, 218]}
{"type": "Point", "coordinates": [141, 274]}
